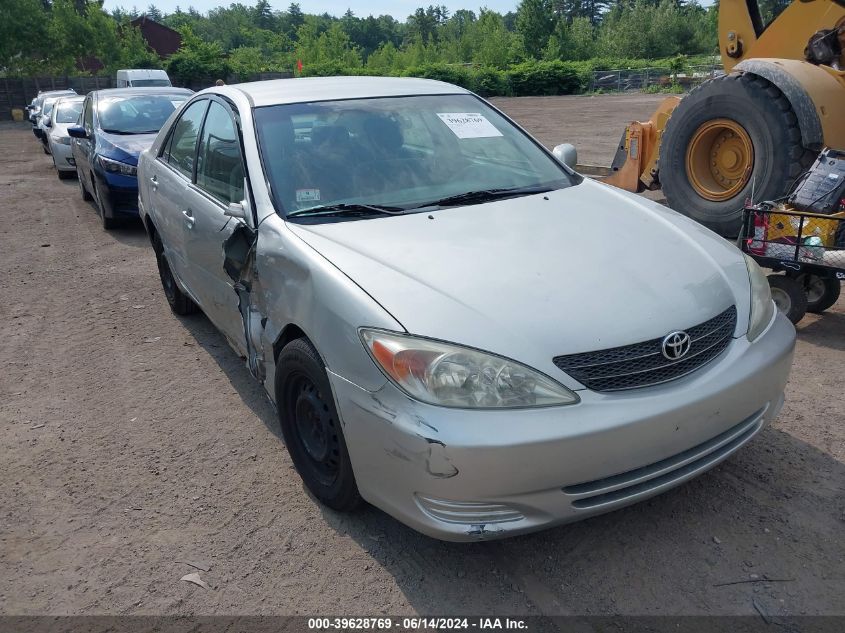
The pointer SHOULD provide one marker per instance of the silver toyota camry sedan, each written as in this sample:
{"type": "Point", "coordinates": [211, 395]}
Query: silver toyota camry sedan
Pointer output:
{"type": "Point", "coordinates": [455, 326]}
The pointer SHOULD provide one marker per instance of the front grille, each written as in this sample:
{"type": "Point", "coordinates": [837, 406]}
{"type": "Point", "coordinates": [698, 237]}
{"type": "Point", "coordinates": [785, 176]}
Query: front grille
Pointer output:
{"type": "Point", "coordinates": [643, 364]}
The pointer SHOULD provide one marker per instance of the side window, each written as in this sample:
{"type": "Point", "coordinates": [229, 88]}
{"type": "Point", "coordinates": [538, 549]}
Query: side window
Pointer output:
{"type": "Point", "coordinates": [220, 170]}
{"type": "Point", "coordinates": [179, 152]}
{"type": "Point", "coordinates": [88, 114]}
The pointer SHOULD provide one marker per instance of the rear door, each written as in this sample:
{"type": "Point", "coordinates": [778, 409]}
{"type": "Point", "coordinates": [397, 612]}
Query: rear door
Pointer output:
{"type": "Point", "coordinates": [219, 181]}
{"type": "Point", "coordinates": [169, 179]}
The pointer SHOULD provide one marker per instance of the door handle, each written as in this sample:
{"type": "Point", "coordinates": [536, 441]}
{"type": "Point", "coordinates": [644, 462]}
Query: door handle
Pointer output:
{"type": "Point", "coordinates": [154, 182]}
{"type": "Point", "coordinates": [189, 218]}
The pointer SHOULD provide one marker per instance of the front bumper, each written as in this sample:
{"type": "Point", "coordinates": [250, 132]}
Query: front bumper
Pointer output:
{"type": "Point", "coordinates": [465, 475]}
{"type": "Point", "coordinates": [118, 194]}
{"type": "Point", "coordinates": [63, 157]}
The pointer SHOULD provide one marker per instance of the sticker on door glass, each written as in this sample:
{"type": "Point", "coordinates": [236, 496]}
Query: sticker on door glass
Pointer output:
{"type": "Point", "coordinates": [469, 124]}
{"type": "Point", "coordinates": [307, 195]}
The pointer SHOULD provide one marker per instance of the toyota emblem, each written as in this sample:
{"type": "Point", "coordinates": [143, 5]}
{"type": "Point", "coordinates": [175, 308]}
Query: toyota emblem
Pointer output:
{"type": "Point", "coordinates": [676, 345]}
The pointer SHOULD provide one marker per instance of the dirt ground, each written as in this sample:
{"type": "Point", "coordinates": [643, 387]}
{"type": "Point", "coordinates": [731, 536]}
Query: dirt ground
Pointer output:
{"type": "Point", "coordinates": [132, 440]}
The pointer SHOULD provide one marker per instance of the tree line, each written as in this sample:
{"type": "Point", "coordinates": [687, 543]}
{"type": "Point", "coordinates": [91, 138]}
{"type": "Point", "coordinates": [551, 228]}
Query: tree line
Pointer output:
{"type": "Point", "coordinates": [41, 37]}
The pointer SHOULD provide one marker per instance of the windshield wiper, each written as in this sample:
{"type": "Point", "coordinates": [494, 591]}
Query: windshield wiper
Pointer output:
{"type": "Point", "coordinates": [108, 131]}
{"type": "Point", "coordinates": [483, 195]}
{"type": "Point", "coordinates": [347, 209]}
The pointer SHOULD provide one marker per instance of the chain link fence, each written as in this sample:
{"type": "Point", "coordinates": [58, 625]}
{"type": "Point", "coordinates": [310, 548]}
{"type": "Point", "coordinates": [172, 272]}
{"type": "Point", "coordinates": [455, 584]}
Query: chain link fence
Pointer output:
{"type": "Point", "coordinates": [644, 78]}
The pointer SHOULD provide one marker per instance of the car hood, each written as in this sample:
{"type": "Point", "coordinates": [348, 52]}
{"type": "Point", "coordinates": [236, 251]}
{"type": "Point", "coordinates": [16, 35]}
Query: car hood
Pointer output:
{"type": "Point", "coordinates": [579, 269]}
{"type": "Point", "coordinates": [124, 147]}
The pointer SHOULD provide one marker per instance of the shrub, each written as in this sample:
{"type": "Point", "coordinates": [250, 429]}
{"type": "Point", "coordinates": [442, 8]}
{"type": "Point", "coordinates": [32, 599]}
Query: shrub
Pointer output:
{"type": "Point", "coordinates": [450, 73]}
{"type": "Point", "coordinates": [490, 82]}
{"type": "Point", "coordinates": [547, 78]}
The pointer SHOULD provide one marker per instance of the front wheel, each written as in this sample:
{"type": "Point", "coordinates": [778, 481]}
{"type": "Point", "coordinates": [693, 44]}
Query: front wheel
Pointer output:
{"type": "Point", "coordinates": [108, 223]}
{"type": "Point", "coordinates": [83, 192]}
{"type": "Point", "coordinates": [311, 427]}
{"type": "Point", "coordinates": [789, 296]}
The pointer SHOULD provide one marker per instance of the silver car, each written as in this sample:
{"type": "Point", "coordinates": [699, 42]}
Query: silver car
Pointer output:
{"type": "Point", "coordinates": [453, 324]}
{"type": "Point", "coordinates": [65, 113]}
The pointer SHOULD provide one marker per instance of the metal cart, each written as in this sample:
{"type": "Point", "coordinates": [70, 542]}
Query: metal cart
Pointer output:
{"type": "Point", "coordinates": [805, 250]}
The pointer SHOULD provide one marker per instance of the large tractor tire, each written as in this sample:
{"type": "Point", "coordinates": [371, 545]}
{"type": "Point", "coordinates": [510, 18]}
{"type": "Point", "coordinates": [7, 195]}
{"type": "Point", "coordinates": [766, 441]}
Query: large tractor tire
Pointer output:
{"type": "Point", "coordinates": [730, 136]}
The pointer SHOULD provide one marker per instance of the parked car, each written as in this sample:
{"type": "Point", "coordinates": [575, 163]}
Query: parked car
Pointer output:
{"type": "Point", "coordinates": [142, 78]}
{"type": "Point", "coordinates": [43, 121]}
{"type": "Point", "coordinates": [34, 109]}
{"type": "Point", "coordinates": [454, 325]}
{"type": "Point", "coordinates": [66, 113]}
{"type": "Point", "coordinates": [117, 125]}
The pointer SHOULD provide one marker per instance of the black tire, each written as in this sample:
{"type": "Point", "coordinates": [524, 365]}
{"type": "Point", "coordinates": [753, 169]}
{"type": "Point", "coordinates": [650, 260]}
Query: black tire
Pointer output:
{"type": "Point", "coordinates": [311, 427]}
{"type": "Point", "coordinates": [763, 111]}
{"type": "Point", "coordinates": [179, 302]}
{"type": "Point", "coordinates": [108, 223]}
{"type": "Point", "coordinates": [822, 292]}
{"type": "Point", "coordinates": [64, 175]}
{"type": "Point", "coordinates": [82, 190]}
{"type": "Point", "coordinates": [789, 296]}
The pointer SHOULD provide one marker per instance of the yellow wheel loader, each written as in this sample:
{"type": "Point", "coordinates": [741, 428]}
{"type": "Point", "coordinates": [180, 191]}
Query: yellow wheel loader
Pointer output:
{"type": "Point", "coordinates": [752, 131]}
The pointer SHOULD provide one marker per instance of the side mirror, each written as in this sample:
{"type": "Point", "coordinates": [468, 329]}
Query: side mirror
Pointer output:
{"type": "Point", "coordinates": [236, 210]}
{"type": "Point", "coordinates": [566, 154]}
{"type": "Point", "coordinates": [77, 131]}
{"type": "Point", "coordinates": [48, 123]}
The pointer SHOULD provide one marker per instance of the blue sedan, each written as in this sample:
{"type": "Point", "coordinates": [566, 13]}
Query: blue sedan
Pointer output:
{"type": "Point", "coordinates": [114, 128]}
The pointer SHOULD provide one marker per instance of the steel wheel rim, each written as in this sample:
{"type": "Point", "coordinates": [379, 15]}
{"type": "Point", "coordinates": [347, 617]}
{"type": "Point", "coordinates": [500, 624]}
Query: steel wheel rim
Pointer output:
{"type": "Point", "coordinates": [719, 159]}
{"type": "Point", "coordinates": [314, 428]}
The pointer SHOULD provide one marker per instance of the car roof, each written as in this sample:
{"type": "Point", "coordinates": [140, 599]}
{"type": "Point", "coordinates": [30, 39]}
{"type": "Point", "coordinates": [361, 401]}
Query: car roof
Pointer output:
{"type": "Point", "coordinates": [303, 90]}
{"type": "Point", "coordinates": [128, 92]}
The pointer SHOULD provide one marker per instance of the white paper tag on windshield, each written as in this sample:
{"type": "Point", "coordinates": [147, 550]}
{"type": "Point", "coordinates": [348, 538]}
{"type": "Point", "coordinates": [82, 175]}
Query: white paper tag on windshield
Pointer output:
{"type": "Point", "coordinates": [307, 195]}
{"type": "Point", "coordinates": [469, 124]}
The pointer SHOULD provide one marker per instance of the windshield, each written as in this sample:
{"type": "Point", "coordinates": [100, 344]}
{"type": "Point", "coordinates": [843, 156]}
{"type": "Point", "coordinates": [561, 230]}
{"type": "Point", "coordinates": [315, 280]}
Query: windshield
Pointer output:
{"type": "Point", "coordinates": [136, 114]}
{"type": "Point", "coordinates": [68, 111]}
{"type": "Point", "coordinates": [150, 83]}
{"type": "Point", "coordinates": [405, 152]}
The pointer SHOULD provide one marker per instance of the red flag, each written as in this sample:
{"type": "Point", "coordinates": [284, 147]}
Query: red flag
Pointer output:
{"type": "Point", "coordinates": [299, 65]}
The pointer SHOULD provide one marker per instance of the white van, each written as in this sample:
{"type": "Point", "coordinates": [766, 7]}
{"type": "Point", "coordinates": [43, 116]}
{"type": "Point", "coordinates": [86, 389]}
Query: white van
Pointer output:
{"type": "Point", "coordinates": [142, 77]}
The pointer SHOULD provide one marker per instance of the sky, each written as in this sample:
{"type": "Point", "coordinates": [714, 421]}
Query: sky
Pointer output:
{"type": "Point", "coordinates": [399, 9]}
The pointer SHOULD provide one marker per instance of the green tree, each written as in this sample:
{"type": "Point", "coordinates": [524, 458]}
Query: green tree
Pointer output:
{"type": "Point", "coordinates": [197, 58]}
{"type": "Point", "coordinates": [534, 23]}
{"type": "Point", "coordinates": [22, 36]}
{"type": "Point", "coordinates": [492, 42]}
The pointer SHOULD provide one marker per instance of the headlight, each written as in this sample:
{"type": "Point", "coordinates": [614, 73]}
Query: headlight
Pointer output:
{"type": "Point", "coordinates": [452, 376]}
{"type": "Point", "coordinates": [762, 306]}
{"type": "Point", "coordinates": [117, 167]}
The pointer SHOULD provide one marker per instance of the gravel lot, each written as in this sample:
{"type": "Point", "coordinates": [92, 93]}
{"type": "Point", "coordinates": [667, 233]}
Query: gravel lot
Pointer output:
{"type": "Point", "coordinates": [132, 440]}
